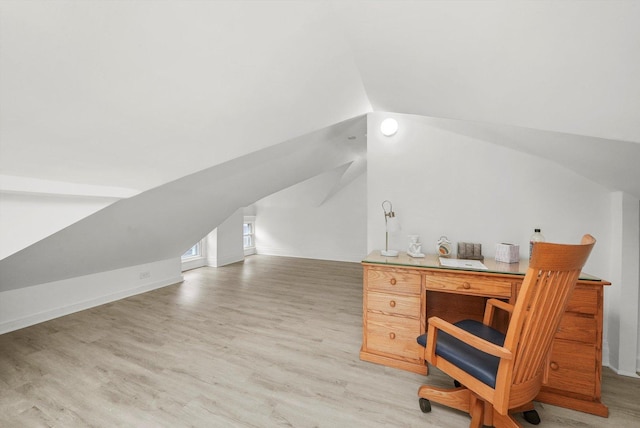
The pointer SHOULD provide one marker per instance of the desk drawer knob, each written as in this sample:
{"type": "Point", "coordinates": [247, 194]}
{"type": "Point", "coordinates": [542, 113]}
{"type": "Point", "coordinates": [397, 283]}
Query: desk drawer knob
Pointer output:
{"type": "Point", "coordinates": [392, 335]}
{"type": "Point", "coordinates": [554, 366]}
{"type": "Point", "coordinates": [466, 285]}
{"type": "Point", "coordinates": [393, 281]}
{"type": "Point", "coordinates": [392, 303]}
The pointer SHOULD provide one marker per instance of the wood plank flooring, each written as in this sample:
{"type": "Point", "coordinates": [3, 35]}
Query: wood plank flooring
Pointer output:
{"type": "Point", "coordinates": [271, 342]}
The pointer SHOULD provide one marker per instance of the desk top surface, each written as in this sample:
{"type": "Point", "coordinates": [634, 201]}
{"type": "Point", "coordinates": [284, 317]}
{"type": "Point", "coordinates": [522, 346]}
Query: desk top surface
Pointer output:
{"type": "Point", "coordinates": [432, 261]}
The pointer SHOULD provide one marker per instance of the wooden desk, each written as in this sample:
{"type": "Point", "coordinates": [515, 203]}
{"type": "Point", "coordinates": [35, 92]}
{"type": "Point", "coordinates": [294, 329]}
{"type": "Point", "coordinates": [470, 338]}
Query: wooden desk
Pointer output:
{"type": "Point", "coordinates": [401, 293]}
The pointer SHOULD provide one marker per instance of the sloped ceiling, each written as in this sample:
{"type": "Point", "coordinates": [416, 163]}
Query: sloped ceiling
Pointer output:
{"type": "Point", "coordinates": [151, 226]}
{"type": "Point", "coordinates": [550, 78]}
{"type": "Point", "coordinates": [566, 66]}
{"type": "Point", "coordinates": [135, 94]}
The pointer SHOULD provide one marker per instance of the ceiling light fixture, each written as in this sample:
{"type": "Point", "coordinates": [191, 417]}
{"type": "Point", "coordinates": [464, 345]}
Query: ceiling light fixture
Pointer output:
{"type": "Point", "coordinates": [388, 127]}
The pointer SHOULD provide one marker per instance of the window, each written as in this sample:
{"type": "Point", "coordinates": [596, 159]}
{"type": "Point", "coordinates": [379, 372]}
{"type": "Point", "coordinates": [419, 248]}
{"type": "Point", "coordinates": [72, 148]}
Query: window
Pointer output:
{"type": "Point", "coordinates": [195, 256]}
{"type": "Point", "coordinates": [249, 235]}
{"type": "Point", "coordinates": [192, 252]}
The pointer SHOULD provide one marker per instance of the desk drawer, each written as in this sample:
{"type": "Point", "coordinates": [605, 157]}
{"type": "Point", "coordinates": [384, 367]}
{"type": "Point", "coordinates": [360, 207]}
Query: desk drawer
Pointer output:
{"type": "Point", "coordinates": [468, 284]}
{"type": "Point", "coordinates": [572, 366]}
{"type": "Point", "coordinates": [578, 328]}
{"type": "Point", "coordinates": [397, 281]}
{"type": "Point", "coordinates": [583, 300]}
{"type": "Point", "coordinates": [394, 336]}
{"type": "Point", "coordinates": [394, 304]}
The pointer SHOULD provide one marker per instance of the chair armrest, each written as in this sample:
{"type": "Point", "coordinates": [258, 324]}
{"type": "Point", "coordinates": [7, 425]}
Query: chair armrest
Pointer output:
{"type": "Point", "coordinates": [489, 309]}
{"type": "Point", "coordinates": [436, 324]}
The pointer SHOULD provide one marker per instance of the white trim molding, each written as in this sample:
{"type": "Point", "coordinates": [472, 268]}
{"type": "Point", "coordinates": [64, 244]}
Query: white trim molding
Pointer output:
{"type": "Point", "coordinates": [23, 307]}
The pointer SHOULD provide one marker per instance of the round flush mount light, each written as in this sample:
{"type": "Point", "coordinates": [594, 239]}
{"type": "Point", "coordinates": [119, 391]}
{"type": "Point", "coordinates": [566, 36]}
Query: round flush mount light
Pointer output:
{"type": "Point", "coordinates": [388, 127]}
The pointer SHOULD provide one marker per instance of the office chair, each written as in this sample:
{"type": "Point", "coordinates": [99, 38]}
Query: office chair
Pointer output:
{"type": "Point", "coordinates": [500, 373]}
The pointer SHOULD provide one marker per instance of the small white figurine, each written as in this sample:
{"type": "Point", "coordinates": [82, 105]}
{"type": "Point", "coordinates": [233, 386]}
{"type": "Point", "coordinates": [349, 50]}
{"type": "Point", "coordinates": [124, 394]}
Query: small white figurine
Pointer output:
{"type": "Point", "coordinates": [414, 246]}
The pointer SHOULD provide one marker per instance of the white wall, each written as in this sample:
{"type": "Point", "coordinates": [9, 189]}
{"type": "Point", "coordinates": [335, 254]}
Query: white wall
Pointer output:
{"type": "Point", "coordinates": [26, 218]}
{"type": "Point", "coordinates": [295, 222]}
{"type": "Point", "coordinates": [622, 299]}
{"type": "Point", "coordinates": [224, 243]}
{"type": "Point", "coordinates": [26, 306]}
{"type": "Point", "coordinates": [444, 183]}
{"type": "Point", "coordinates": [222, 246]}
{"type": "Point", "coordinates": [32, 209]}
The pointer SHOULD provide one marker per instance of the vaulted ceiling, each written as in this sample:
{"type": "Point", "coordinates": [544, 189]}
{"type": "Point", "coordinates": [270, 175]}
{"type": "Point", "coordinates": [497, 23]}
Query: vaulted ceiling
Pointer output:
{"type": "Point", "coordinates": [135, 94]}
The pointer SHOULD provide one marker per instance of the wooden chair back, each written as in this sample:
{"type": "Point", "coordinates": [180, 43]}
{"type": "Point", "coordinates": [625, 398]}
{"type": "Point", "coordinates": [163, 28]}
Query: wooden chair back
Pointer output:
{"type": "Point", "coordinates": [550, 279]}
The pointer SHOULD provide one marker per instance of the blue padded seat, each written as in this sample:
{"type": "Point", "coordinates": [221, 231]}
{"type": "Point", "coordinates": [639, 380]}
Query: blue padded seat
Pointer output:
{"type": "Point", "coordinates": [478, 364]}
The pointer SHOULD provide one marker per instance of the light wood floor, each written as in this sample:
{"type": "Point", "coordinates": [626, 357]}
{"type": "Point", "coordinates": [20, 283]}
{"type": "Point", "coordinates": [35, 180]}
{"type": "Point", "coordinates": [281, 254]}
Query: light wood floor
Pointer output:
{"type": "Point", "coordinates": [271, 342]}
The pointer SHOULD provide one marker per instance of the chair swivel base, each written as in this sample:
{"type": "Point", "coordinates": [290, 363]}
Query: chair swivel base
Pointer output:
{"type": "Point", "coordinates": [531, 416]}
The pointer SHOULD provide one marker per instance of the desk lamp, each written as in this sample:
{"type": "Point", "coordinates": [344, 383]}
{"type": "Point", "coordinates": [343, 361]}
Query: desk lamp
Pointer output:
{"type": "Point", "coordinates": [390, 225]}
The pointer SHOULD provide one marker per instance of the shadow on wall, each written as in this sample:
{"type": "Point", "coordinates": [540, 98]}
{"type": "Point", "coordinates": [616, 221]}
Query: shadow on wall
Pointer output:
{"type": "Point", "coordinates": [612, 163]}
{"type": "Point", "coordinates": [153, 226]}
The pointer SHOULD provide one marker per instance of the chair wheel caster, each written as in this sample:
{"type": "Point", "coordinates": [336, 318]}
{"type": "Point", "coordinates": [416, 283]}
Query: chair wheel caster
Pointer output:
{"type": "Point", "coordinates": [457, 384]}
{"type": "Point", "coordinates": [532, 417]}
{"type": "Point", "coordinates": [425, 405]}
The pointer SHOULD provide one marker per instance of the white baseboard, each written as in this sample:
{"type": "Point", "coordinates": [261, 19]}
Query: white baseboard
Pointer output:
{"type": "Point", "coordinates": [223, 261]}
{"type": "Point", "coordinates": [194, 263]}
{"type": "Point", "coordinates": [626, 373]}
{"type": "Point", "coordinates": [32, 305]}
